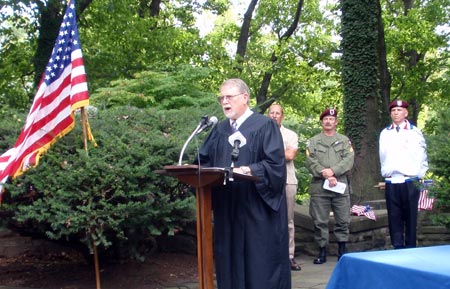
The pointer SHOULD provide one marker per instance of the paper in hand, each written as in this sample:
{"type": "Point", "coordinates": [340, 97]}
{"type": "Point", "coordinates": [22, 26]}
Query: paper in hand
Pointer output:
{"type": "Point", "coordinates": [339, 188]}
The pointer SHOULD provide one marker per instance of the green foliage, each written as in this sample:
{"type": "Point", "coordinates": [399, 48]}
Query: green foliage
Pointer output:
{"type": "Point", "coordinates": [139, 54]}
{"type": "Point", "coordinates": [303, 69]}
{"type": "Point", "coordinates": [216, 6]}
{"type": "Point", "coordinates": [179, 87]}
{"type": "Point", "coordinates": [111, 194]}
{"type": "Point", "coordinates": [438, 152]}
{"type": "Point", "coordinates": [10, 124]}
{"type": "Point", "coordinates": [16, 87]}
{"type": "Point", "coordinates": [417, 50]}
{"type": "Point", "coordinates": [120, 39]}
{"type": "Point", "coordinates": [305, 129]}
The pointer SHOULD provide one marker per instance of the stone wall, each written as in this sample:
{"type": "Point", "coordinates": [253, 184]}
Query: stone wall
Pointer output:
{"type": "Point", "coordinates": [365, 234]}
{"type": "Point", "coordinates": [429, 234]}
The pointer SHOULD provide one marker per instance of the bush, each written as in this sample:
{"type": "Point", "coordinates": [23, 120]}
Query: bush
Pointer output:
{"type": "Point", "coordinates": [111, 194]}
{"type": "Point", "coordinates": [438, 152]}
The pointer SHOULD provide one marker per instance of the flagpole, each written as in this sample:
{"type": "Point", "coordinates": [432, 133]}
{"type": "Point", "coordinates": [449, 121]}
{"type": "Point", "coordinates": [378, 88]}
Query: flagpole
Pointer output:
{"type": "Point", "coordinates": [97, 267]}
{"type": "Point", "coordinates": [85, 137]}
{"type": "Point", "coordinates": [84, 125]}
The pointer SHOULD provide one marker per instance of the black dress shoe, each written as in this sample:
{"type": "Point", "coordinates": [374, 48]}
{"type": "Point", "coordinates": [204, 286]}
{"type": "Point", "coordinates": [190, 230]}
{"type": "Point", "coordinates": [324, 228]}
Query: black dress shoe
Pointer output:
{"type": "Point", "coordinates": [294, 265]}
{"type": "Point", "coordinates": [322, 258]}
{"type": "Point", "coordinates": [341, 250]}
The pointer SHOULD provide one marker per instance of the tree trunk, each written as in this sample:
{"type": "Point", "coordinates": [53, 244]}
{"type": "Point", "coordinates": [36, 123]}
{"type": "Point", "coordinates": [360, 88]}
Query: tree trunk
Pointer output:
{"type": "Point", "coordinates": [49, 23]}
{"type": "Point", "coordinates": [412, 57]}
{"type": "Point", "coordinates": [385, 76]}
{"type": "Point", "coordinates": [366, 170]}
{"type": "Point", "coordinates": [261, 98]}
{"type": "Point", "coordinates": [244, 35]}
{"type": "Point", "coordinates": [360, 73]}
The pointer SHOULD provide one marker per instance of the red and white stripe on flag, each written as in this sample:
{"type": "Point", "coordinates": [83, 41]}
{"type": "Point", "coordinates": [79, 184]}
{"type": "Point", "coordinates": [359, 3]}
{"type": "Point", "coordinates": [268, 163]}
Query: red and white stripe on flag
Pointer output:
{"type": "Point", "coordinates": [363, 211]}
{"type": "Point", "coordinates": [425, 202]}
{"type": "Point", "coordinates": [62, 90]}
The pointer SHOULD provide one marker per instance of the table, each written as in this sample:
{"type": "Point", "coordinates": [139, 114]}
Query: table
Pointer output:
{"type": "Point", "coordinates": [421, 268]}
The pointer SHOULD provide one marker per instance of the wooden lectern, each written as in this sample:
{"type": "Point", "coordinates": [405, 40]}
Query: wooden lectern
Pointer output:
{"type": "Point", "coordinates": [203, 179]}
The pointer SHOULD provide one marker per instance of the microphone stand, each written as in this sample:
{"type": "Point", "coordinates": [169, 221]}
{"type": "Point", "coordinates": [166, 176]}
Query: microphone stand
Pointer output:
{"type": "Point", "coordinates": [188, 140]}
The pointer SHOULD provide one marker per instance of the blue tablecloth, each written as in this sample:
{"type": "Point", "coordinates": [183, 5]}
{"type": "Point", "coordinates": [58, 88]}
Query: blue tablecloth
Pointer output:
{"type": "Point", "coordinates": [417, 268]}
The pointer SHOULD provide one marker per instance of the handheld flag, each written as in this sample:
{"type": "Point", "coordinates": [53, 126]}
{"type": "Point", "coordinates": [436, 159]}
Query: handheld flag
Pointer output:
{"type": "Point", "coordinates": [62, 90]}
{"type": "Point", "coordinates": [426, 198]}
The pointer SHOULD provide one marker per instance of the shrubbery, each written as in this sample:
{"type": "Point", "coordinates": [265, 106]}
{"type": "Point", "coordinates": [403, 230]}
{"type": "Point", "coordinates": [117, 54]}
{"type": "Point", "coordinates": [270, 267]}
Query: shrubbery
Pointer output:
{"type": "Point", "coordinates": [111, 194]}
{"type": "Point", "coordinates": [438, 138]}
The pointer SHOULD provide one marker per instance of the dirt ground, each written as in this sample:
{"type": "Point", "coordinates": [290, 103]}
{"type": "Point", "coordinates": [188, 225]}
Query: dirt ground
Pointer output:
{"type": "Point", "coordinates": [64, 270]}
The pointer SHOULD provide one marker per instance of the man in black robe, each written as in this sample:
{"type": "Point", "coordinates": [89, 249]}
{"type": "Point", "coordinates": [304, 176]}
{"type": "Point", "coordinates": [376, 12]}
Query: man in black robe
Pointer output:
{"type": "Point", "coordinates": [250, 217]}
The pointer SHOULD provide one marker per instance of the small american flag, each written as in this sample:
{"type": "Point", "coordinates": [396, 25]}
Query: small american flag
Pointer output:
{"type": "Point", "coordinates": [367, 211]}
{"type": "Point", "coordinates": [62, 90]}
{"type": "Point", "coordinates": [426, 203]}
{"type": "Point", "coordinates": [426, 200]}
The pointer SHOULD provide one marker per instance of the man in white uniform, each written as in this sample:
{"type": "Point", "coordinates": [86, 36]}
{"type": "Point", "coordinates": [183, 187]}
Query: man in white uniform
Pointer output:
{"type": "Point", "coordinates": [403, 160]}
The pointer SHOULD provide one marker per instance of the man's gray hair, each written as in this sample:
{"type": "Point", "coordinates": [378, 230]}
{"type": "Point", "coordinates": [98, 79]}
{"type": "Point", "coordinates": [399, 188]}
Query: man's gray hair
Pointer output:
{"type": "Point", "coordinates": [240, 84]}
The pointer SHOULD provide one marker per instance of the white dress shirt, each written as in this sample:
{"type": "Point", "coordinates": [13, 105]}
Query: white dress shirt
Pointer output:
{"type": "Point", "coordinates": [403, 153]}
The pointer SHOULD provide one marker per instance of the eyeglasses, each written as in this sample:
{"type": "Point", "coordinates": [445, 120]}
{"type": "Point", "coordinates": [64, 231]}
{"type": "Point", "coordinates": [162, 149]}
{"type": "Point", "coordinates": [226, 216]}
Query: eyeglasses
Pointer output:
{"type": "Point", "coordinates": [228, 97]}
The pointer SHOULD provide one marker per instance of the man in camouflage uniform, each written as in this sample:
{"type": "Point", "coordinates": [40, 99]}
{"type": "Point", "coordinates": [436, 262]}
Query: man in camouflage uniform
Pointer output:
{"type": "Point", "coordinates": [330, 158]}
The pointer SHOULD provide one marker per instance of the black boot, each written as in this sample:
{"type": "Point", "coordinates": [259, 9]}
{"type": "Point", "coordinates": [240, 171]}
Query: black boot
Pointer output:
{"type": "Point", "coordinates": [341, 249]}
{"type": "Point", "coordinates": [322, 258]}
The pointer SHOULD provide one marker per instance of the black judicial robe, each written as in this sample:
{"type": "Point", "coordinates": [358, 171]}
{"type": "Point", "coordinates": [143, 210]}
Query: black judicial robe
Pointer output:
{"type": "Point", "coordinates": [251, 238]}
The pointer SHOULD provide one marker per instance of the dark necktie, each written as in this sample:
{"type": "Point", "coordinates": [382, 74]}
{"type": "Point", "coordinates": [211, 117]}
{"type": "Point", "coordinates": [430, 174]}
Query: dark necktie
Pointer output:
{"type": "Point", "coordinates": [233, 126]}
{"type": "Point", "coordinates": [397, 128]}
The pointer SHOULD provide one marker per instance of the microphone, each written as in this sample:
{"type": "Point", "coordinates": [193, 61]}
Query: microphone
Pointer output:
{"type": "Point", "coordinates": [207, 124]}
{"type": "Point", "coordinates": [237, 140]}
{"type": "Point", "coordinates": [237, 136]}
{"type": "Point", "coordinates": [204, 124]}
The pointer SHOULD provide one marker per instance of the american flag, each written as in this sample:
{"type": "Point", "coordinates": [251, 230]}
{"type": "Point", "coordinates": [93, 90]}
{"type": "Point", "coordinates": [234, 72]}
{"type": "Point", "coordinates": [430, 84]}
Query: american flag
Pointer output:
{"type": "Point", "coordinates": [363, 211]}
{"type": "Point", "coordinates": [426, 203]}
{"type": "Point", "coordinates": [62, 90]}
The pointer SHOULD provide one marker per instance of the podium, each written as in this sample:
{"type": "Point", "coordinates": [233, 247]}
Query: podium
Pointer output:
{"type": "Point", "coordinates": [203, 179]}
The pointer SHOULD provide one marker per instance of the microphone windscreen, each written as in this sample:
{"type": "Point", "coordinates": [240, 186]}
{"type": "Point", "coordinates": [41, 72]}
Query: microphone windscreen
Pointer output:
{"type": "Point", "coordinates": [237, 136]}
{"type": "Point", "coordinates": [213, 120]}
